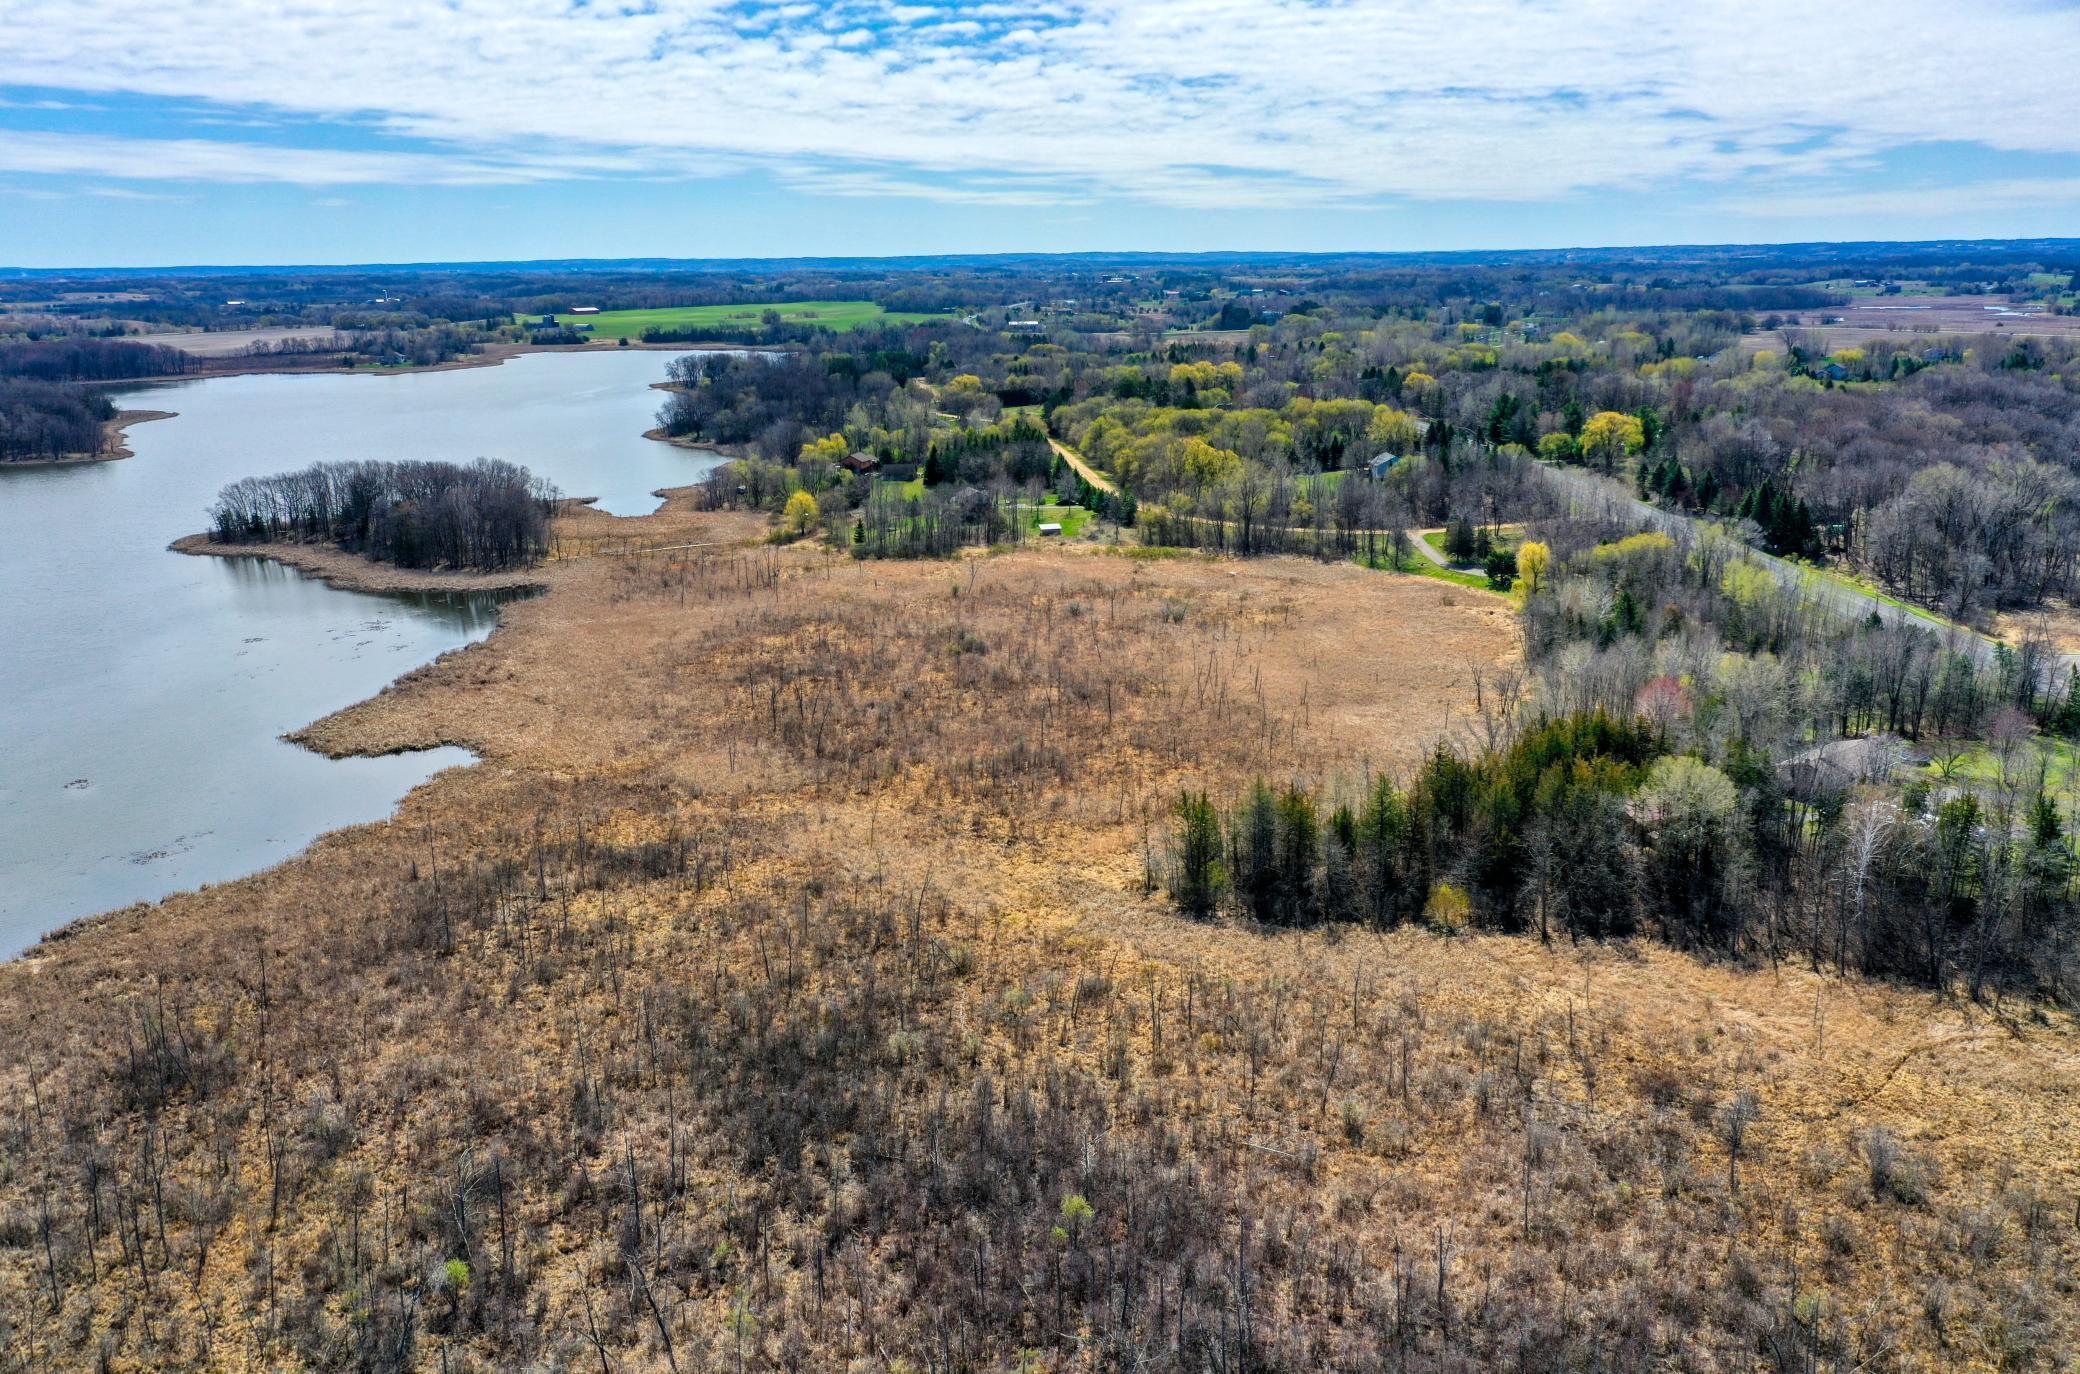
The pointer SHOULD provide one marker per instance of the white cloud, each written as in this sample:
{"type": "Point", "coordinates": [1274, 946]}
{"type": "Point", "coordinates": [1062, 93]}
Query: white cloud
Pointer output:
{"type": "Point", "coordinates": [196, 159]}
{"type": "Point", "coordinates": [1300, 101]}
{"type": "Point", "coordinates": [126, 193]}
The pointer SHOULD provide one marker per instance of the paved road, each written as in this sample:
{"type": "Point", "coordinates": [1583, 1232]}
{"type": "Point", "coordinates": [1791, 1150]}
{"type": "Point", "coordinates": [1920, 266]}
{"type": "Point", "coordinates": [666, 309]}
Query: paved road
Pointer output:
{"type": "Point", "coordinates": [1588, 487]}
{"type": "Point", "coordinates": [1423, 547]}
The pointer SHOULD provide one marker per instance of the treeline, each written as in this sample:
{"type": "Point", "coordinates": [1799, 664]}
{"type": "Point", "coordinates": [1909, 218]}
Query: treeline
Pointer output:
{"type": "Point", "coordinates": [870, 384]}
{"type": "Point", "coordinates": [1255, 511]}
{"type": "Point", "coordinates": [878, 518]}
{"type": "Point", "coordinates": [91, 360]}
{"type": "Point", "coordinates": [1589, 827]}
{"type": "Point", "coordinates": [47, 410]}
{"type": "Point", "coordinates": [413, 347]}
{"type": "Point", "coordinates": [486, 515]}
{"type": "Point", "coordinates": [1722, 648]}
{"type": "Point", "coordinates": [1946, 471]}
{"type": "Point", "coordinates": [772, 330]}
{"type": "Point", "coordinates": [41, 421]}
{"type": "Point", "coordinates": [774, 402]}
{"type": "Point", "coordinates": [937, 524]}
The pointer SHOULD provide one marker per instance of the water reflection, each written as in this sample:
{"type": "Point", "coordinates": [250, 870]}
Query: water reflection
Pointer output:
{"type": "Point", "coordinates": [143, 693]}
{"type": "Point", "coordinates": [470, 613]}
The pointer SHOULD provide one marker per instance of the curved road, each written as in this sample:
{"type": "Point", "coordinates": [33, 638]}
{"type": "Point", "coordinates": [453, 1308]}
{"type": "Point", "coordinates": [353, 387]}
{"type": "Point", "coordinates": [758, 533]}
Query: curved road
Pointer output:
{"type": "Point", "coordinates": [1582, 486]}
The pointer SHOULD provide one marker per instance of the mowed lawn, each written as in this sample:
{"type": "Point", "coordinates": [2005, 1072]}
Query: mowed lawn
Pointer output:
{"type": "Point", "coordinates": [615, 324]}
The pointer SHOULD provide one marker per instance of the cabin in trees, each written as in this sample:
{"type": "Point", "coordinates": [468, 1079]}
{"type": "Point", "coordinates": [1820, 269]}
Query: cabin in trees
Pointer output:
{"type": "Point", "coordinates": [1381, 464]}
{"type": "Point", "coordinates": [861, 463]}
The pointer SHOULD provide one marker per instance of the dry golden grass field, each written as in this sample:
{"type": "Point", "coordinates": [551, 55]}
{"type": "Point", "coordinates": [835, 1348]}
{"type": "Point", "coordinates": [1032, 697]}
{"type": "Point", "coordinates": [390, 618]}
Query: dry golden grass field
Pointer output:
{"type": "Point", "coordinates": [784, 990]}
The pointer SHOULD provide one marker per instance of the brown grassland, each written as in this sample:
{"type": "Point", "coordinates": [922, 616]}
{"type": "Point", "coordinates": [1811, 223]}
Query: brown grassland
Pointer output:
{"type": "Point", "coordinates": [785, 990]}
{"type": "Point", "coordinates": [1889, 317]}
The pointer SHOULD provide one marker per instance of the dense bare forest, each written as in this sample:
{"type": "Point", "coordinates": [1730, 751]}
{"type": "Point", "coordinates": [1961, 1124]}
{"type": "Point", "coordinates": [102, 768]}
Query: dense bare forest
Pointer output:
{"type": "Point", "coordinates": [41, 421]}
{"type": "Point", "coordinates": [46, 409]}
{"type": "Point", "coordinates": [91, 360]}
{"type": "Point", "coordinates": [485, 515]}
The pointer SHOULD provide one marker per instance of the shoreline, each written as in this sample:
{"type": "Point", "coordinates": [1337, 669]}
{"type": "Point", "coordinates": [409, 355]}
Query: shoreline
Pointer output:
{"type": "Point", "coordinates": [491, 355]}
{"type": "Point", "coordinates": [727, 452]}
{"type": "Point", "coordinates": [351, 572]}
{"type": "Point", "coordinates": [119, 429]}
{"type": "Point", "coordinates": [115, 442]}
{"type": "Point", "coordinates": [344, 733]}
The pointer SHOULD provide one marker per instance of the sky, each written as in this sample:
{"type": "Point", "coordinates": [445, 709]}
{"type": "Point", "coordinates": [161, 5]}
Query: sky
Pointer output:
{"type": "Point", "coordinates": [322, 131]}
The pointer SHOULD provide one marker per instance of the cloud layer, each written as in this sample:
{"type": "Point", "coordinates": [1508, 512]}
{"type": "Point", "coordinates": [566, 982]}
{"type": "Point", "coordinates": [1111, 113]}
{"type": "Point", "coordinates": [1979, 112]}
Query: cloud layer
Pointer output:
{"type": "Point", "coordinates": [1178, 102]}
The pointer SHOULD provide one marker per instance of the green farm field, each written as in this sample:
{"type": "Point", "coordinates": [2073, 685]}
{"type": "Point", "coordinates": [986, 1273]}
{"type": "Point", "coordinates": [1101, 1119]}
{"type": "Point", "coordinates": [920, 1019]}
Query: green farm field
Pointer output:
{"type": "Point", "coordinates": [839, 315]}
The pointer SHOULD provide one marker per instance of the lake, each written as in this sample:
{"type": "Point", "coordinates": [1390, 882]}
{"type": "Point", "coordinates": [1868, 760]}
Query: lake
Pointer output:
{"type": "Point", "coordinates": [143, 692]}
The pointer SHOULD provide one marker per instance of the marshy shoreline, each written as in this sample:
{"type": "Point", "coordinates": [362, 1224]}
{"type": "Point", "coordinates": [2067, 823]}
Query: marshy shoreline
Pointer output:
{"type": "Point", "coordinates": [352, 572]}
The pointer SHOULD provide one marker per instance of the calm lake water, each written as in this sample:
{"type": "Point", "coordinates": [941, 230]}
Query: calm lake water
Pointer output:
{"type": "Point", "coordinates": [143, 692]}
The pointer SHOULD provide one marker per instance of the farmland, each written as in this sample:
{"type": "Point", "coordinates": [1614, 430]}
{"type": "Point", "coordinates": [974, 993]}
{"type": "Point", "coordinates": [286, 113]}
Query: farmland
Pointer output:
{"type": "Point", "coordinates": [1864, 320]}
{"type": "Point", "coordinates": [835, 315]}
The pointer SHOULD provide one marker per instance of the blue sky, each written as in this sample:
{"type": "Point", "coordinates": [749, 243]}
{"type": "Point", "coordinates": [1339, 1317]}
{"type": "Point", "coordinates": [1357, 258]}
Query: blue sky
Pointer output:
{"type": "Point", "coordinates": [384, 130]}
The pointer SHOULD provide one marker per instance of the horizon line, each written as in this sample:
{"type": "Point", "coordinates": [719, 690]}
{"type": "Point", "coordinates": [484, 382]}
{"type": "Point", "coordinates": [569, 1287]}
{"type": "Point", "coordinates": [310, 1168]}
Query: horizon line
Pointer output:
{"type": "Point", "coordinates": [1154, 256]}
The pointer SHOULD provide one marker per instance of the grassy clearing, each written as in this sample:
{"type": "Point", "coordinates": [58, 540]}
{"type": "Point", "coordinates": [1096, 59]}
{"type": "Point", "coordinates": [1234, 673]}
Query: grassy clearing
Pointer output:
{"type": "Point", "coordinates": [1423, 567]}
{"type": "Point", "coordinates": [1072, 519]}
{"type": "Point", "coordinates": [839, 315]}
{"type": "Point", "coordinates": [1979, 765]}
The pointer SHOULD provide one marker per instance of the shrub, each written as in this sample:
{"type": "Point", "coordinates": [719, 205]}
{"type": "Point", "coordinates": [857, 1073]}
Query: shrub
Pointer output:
{"type": "Point", "coordinates": [1449, 911]}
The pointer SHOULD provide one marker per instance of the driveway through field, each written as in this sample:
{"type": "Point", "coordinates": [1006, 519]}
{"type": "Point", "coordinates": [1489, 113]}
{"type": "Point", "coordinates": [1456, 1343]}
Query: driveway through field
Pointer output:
{"type": "Point", "coordinates": [1083, 469]}
{"type": "Point", "coordinates": [1428, 550]}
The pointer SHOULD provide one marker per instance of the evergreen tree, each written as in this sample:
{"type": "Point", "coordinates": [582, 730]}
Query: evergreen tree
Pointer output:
{"type": "Point", "coordinates": [1299, 844]}
{"type": "Point", "coordinates": [1200, 878]}
{"type": "Point", "coordinates": [1253, 847]}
